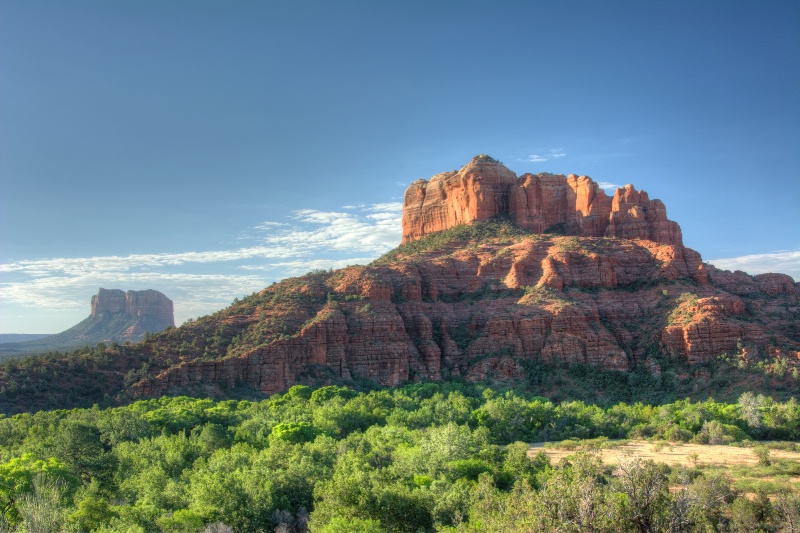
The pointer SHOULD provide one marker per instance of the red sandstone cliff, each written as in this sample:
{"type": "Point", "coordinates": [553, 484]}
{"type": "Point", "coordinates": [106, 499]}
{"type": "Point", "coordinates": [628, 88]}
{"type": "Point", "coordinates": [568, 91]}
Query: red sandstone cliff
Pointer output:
{"type": "Point", "coordinates": [572, 205]}
{"type": "Point", "coordinates": [116, 316]}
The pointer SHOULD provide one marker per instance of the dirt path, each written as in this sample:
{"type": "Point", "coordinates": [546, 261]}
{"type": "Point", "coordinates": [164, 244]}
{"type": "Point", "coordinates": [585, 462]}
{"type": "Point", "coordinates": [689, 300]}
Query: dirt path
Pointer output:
{"type": "Point", "coordinates": [672, 454]}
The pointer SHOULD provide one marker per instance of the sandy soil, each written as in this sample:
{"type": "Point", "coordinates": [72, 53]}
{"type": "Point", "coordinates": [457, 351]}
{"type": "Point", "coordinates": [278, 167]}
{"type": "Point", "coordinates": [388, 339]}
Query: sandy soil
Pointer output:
{"type": "Point", "coordinates": [672, 454]}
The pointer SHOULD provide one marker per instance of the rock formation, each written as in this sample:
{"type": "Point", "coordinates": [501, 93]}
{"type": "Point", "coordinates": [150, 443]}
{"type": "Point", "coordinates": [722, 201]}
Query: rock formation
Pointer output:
{"type": "Point", "coordinates": [481, 308]}
{"type": "Point", "coordinates": [565, 274]}
{"type": "Point", "coordinates": [542, 203]}
{"type": "Point", "coordinates": [595, 279]}
{"type": "Point", "coordinates": [148, 303]}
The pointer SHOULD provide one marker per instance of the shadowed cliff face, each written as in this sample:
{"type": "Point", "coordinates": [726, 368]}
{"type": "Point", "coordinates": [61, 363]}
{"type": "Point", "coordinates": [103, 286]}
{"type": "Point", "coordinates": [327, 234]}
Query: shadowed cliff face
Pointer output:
{"type": "Point", "coordinates": [541, 203]}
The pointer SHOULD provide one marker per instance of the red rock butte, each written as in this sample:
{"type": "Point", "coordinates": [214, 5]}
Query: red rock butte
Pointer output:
{"type": "Point", "coordinates": [542, 203]}
{"type": "Point", "coordinates": [599, 280]}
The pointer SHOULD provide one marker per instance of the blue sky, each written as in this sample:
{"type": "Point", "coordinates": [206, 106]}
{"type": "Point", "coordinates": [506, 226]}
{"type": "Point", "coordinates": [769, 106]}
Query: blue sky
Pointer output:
{"type": "Point", "coordinates": [209, 148]}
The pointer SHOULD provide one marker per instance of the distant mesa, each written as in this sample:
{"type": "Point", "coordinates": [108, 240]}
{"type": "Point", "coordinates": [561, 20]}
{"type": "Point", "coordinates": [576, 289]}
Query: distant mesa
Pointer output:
{"type": "Point", "coordinates": [116, 316]}
{"type": "Point", "coordinates": [136, 304]}
{"type": "Point", "coordinates": [542, 203]}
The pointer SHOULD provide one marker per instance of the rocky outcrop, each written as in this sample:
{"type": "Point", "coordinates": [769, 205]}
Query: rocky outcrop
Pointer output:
{"type": "Point", "coordinates": [542, 203]}
{"type": "Point", "coordinates": [147, 303]}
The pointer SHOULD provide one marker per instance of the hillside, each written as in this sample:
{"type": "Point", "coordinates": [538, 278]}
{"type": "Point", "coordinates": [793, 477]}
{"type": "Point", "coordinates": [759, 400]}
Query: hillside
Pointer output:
{"type": "Point", "coordinates": [479, 300]}
{"type": "Point", "coordinates": [483, 300]}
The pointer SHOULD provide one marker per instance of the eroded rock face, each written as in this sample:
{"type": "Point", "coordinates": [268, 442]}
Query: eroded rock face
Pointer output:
{"type": "Point", "coordinates": [480, 311]}
{"type": "Point", "coordinates": [148, 303]}
{"type": "Point", "coordinates": [571, 205]}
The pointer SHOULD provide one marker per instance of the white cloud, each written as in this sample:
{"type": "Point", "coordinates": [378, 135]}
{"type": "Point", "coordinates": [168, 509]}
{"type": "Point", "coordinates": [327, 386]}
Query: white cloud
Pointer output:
{"type": "Point", "coordinates": [388, 207]}
{"type": "Point", "coordinates": [608, 185]}
{"type": "Point", "coordinates": [113, 263]}
{"type": "Point", "coordinates": [200, 282]}
{"type": "Point", "coordinates": [552, 153]}
{"type": "Point", "coordinates": [269, 224]}
{"type": "Point", "coordinates": [783, 262]}
{"type": "Point", "coordinates": [296, 268]}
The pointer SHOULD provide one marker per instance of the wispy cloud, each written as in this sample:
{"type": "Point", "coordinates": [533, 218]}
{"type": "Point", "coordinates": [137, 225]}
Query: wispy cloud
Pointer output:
{"type": "Point", "coordinates": [553, 153]}
{"type": "Point", "coordinates": [784, 262]}
{"type": "Point", "coordinates": [200, 282]}
{"type": "Point", "coordinates": [270, 224]}
{"type": "Point", "coordinates": [608, 185]}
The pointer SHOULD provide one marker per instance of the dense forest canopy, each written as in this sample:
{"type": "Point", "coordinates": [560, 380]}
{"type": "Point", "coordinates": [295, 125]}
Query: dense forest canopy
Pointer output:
{"type": "Point", "coordinates": [424, 457]}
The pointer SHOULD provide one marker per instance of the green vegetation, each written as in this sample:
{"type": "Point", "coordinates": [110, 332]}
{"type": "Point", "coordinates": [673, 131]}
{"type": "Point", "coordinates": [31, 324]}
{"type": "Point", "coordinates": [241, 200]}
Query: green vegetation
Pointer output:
{"type": "Point", "coordinates": [684, 309]}
{"type": "Point", "coordinates": [497, 230]}
{"type": "Point", "coordinates": [92, 375]}
{"type": "Point", "coordinates": [424, 457]}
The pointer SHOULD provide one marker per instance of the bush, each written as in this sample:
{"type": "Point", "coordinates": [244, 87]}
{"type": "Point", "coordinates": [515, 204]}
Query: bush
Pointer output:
{"type": "Point", "coordinates": [762, 452]}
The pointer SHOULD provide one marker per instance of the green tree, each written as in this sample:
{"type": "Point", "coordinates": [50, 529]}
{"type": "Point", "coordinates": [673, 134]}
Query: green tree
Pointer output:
{"type": "Point", "coordinates": [93, 510]}
{"type": "Point", "coordinates": [294, 432]}
{"type": "Point", "coordinates": [340, 524]}
{"type": "Point", "coordinates": [78, 445]}
{"type": "Point", "coordinates": [645, 487]}
{"type": "Point", "coordinates": [228, 488]}
{"type": "Point", "coordinates": [576, 495]}
{"type": "Point", "coordinates": [212, 437]}
{"type": "Point", "coordinates": [752, 516]}
{"type": "Point", "coordinates": [711, 494]}
{"type": "Point", "coordinates": [787, 509]}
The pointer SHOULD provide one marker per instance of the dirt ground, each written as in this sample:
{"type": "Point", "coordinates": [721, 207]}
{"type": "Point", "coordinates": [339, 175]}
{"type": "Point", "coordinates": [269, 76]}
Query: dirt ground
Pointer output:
{"type": "Point", "coordinates": [672, 454]}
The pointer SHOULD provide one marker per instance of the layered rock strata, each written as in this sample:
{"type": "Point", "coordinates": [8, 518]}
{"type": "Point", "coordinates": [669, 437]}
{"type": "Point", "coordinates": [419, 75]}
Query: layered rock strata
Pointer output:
{"type": "Point", "coordinates": [116, 316]}
{"type": "Point", "coordinates": [481, 309]}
